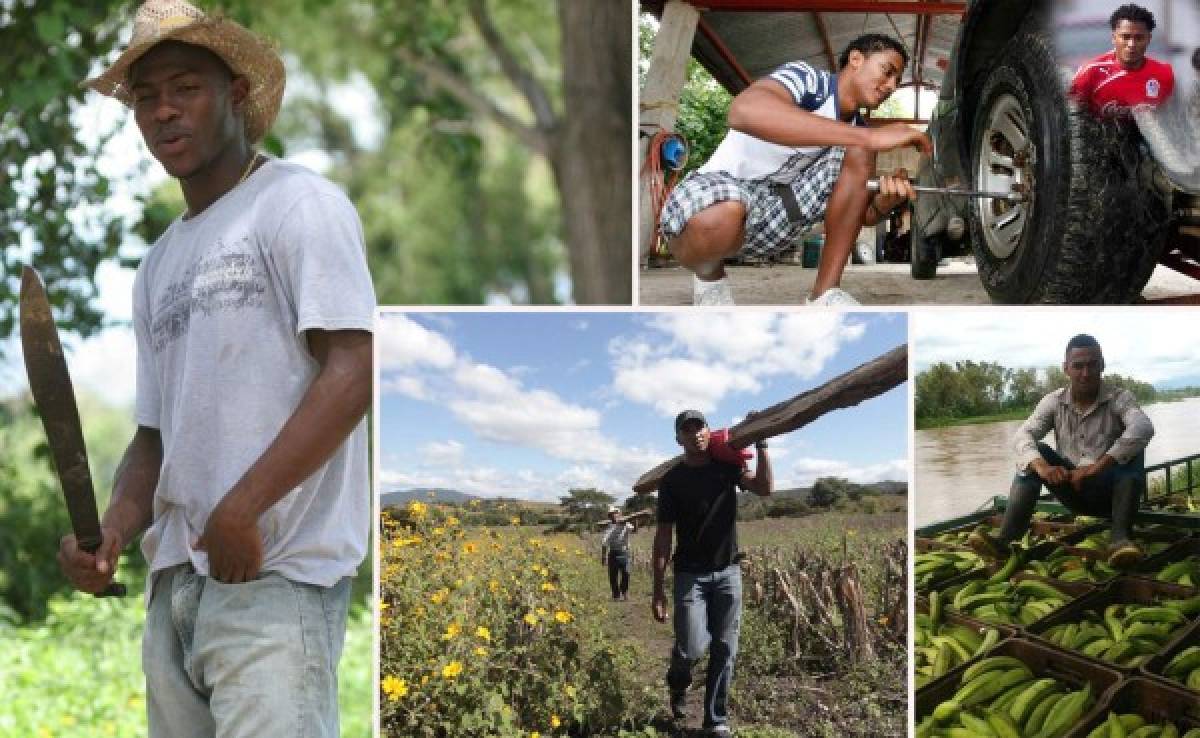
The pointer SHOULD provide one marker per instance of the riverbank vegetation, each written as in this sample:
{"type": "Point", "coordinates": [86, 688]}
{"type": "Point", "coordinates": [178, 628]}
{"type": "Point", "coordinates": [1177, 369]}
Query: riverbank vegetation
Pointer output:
{"type": "Point", "coordinates": [969, 392]}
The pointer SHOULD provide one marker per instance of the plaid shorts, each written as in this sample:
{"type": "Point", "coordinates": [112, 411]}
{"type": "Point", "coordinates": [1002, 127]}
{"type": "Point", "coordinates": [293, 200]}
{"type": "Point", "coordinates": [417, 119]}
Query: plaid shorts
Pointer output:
{"type": "Point", "coordinates": [768, 230]}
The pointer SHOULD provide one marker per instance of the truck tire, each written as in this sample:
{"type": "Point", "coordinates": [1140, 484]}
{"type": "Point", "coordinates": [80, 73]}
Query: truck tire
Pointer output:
{"type": "Point", "coordinates": [1091, 229]}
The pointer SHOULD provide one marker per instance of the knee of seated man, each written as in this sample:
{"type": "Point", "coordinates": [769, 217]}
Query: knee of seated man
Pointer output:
{"type": "Point", "coordinates": [858, 162]}
{"type": "Point", "coordinates": [711, 232]}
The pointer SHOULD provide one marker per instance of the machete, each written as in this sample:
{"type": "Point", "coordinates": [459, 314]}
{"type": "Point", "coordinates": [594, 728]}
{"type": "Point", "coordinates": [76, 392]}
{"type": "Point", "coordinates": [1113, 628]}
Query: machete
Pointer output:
{"type": "Point", "coordinates": [50, 383]}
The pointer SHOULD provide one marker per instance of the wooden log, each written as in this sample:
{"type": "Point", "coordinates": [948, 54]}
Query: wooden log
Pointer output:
{"type": "Point", "coordinates": [861, 383]}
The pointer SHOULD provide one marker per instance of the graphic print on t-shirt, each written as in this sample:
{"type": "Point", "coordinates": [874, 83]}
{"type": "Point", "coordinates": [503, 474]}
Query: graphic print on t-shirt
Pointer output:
{"type": "Point", "coordinates": [231, 278]}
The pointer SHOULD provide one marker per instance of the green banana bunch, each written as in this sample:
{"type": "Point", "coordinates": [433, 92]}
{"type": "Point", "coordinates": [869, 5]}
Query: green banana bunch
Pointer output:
{"type": "Point", "coordinates": [959, 537]}
{"type": "Point", "coordinates": [1100, 540]}
{"type": "Point", "coordinates": [1130, 725]}
{"type": "Point", "coordinates": [1124, 634]}
{"type": "Point", "coordinates": [1185, 572]}
{"type": "Point", "coordinates": [1185, 667]}
{"type": "Point", "coordinates": [931, 567]}
{"type": "Point", "coordinates": [1014, 603]}
{"type": "Point", "coordinates": [940, 647]}
{"type": "Point", "coordinates": [999, 696]}
{"type": "Point", "coordinates": [1068, 567]}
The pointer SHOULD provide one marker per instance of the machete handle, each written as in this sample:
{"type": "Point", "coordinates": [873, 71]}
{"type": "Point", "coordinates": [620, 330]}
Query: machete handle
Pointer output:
{"type": "Point", "coordinates": [114, 589]}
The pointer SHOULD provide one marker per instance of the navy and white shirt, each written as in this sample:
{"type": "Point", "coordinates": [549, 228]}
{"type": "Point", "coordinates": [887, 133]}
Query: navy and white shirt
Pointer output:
{"type": "Point", "coordinates": [747, 157]}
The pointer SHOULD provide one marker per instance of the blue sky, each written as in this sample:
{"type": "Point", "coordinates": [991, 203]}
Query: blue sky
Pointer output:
{"type": "Point", "coordinates": [1151, 344]}
{"type": "Point", "coordinates": [529, 404]}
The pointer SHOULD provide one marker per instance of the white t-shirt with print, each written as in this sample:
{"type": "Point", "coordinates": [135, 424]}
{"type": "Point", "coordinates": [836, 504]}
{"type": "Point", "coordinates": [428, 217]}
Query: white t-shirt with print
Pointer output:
{"type": "Point", "coordinates": [747, 157]}
{"type": "Point", "coordinates": [221, 303]}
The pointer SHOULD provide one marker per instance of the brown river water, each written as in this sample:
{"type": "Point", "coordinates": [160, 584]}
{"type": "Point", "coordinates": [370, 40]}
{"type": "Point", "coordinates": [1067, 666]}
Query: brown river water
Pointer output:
{"type": "Point", "coordinates": [961, 468]}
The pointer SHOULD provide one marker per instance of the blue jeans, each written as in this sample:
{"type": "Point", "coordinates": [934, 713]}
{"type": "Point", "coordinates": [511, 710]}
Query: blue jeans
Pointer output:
{"type": "Point", "coordinates": [252, 659]}
{"type": "Point", "coordinates": [1112, 494]}
{"type": "Point", "coordinates": [708, 614]}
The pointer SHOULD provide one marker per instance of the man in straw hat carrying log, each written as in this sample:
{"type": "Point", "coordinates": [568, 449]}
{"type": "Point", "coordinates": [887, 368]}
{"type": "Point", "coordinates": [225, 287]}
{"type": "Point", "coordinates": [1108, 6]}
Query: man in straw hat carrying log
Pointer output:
{"type": "Point", "coordinates": [248, 469]}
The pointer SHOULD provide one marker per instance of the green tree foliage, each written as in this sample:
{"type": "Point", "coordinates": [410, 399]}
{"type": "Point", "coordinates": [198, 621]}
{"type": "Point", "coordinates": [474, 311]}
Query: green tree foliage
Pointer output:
{"type": "Point", "coordinates": [973, 389]}
{"type": "Point", "coordinates": [51, 193]}
{"type": "Point", "coordinates": [586, 506]}
{"type": "Point", "coordinates": [829, 491]}
{"type": "Point", "coordinates": [33, 514]}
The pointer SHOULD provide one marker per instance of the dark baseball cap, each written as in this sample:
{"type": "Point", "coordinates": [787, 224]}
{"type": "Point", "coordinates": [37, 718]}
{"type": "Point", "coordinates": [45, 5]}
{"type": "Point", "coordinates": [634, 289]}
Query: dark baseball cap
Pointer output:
{"type": "Point", "coordinates": [687, 415]}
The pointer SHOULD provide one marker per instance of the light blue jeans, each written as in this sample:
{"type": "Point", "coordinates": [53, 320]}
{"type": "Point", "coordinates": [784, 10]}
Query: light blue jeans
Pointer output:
{"type": "Point", "coordinates": [708, 614]}
{"type": "Point", "coordinates": [252, 659]}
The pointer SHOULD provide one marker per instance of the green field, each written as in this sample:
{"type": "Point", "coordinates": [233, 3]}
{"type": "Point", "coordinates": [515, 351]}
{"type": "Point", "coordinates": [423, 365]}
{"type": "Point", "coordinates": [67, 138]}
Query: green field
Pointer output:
{"type": "Point", "coordinates": [510, 632]}
{"type": "Point", "coordinates": [78, 673]}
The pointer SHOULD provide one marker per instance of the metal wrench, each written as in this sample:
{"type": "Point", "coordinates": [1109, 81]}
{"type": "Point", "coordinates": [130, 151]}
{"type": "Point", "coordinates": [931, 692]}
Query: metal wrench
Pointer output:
{"type": "Point", "coordinates": [1016, 196]}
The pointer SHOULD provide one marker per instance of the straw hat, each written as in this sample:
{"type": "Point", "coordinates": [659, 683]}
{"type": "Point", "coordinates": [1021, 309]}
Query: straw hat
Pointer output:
{"type": "Point", "coordinates": [247, 54]}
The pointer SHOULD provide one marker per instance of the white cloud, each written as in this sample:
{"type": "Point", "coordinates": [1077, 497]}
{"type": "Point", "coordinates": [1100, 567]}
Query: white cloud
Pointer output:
{"type": "Point", "coordinates": [404, 385]}
{"type": "Point", "coordinates": [1149, 344]}
{"type": "Point", "coordinates": [485, 380]}
{"type": "Point", "coordinates": [537, 419]}
{"type": "Point", "coordinates": [695, 361]}
{"type": "Point", "coordinates": [442, 453]}
{"type": "Point", "coordinates": [803, 472]}
{"type": "Point", "coordinates": [405, 343]}
{"type": "Point", "coordinates": [672, 384]}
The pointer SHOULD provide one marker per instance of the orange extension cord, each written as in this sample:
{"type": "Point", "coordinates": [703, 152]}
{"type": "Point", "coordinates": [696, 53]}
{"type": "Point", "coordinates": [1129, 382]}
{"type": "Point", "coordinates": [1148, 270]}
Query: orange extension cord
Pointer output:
{"type": "Point", "coordinates": [661, 183]}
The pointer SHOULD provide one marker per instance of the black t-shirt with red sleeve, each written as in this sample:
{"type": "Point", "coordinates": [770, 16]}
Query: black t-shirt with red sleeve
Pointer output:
{"type": "Point", "coordinates": [701, 502]}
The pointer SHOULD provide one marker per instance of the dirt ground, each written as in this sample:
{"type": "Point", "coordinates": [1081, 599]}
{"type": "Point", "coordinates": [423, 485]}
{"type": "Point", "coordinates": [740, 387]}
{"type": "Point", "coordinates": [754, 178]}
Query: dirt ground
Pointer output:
{"type": "Point", "coordinates": [956, 283]}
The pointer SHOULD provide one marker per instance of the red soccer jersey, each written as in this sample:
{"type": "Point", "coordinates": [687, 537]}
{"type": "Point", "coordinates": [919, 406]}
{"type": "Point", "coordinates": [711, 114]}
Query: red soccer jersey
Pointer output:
{"type": "Point", "coordinates": [1110, 90]}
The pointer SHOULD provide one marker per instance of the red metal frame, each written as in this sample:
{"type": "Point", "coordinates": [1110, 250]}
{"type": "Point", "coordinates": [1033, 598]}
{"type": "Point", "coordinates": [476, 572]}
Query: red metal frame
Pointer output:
{"type": "Point", "coordinates": [835, 6]}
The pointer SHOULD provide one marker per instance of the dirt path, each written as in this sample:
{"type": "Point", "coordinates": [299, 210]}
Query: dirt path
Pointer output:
{"type": "Point", "coordinates": [957, 283]}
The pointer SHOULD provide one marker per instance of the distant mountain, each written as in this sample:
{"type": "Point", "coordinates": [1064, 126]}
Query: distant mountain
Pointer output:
{"type": "Point", "coordinates": [405, 496]}
{"type": "Point", "coordinates": [879, 488]}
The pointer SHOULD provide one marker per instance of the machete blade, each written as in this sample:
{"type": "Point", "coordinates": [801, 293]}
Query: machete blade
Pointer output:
{"type": "Point", "coordinates": [50, 382]}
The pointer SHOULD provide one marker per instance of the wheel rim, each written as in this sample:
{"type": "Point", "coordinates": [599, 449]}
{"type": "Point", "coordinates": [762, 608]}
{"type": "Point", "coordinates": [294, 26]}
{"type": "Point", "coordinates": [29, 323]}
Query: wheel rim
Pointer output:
{"type": "Point", "coordinates": [1005, 164]}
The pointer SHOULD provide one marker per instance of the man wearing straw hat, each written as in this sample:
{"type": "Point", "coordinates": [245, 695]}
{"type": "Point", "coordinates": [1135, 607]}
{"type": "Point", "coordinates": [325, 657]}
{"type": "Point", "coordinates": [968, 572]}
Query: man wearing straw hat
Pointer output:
{"type": "Point", "coordinates": [247, 473]}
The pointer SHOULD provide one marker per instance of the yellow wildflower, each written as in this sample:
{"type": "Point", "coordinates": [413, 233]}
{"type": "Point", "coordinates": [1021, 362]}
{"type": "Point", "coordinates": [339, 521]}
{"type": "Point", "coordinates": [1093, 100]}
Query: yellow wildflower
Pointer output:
{"type": "Point", "coordinates": [439, 531]}
{"type": "Point", "coordinates": [541, 611]}
{"type": "Point", "coordinates": [554, 721]}
{"type": "Point", "coordinates": [514, 520]}
{"type": "Point", "coordinates": [451, 521]}
{"type": "Point", "coordinates": [470, 548]}
{"type": "Point", "coordinates": [571, 691]}
{"type": "Point", "coordinates": [439, 596]}
{"type": "Point", "coordinates": [417, 509]}
{"type": "Point", "coordinates": [530, 619]}
{"type": "Point", "coordinates": [480, 651]}
{"type": "Point", "coordinates": [452, 631]}
{"type": "Point", "coordinates": [483, 633]}
{"type": "Point", "coordinates": [452, 670]}
{"type": "Point", "coordinates": [548, 587]}
{"type": "Point", "coordinates": [493, 585]}
{"type": "Point", "coordinates": [394, 688]}
{"type": "Point", "coordinates": [563, 616]}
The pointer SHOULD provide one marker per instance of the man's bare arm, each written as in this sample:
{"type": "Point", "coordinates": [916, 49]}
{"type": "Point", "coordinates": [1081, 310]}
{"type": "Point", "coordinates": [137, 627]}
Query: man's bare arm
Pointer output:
{"type": "Point", "coordinates": [762, 481]}
{"type": "Point", "coordinates": [766, 110]}
{"type": "Point", "coordinates": [659, 559]}
{"type": "Point", "coordinates": [334, 404]}
{"type": "Point", "coordinates": [130, 511]}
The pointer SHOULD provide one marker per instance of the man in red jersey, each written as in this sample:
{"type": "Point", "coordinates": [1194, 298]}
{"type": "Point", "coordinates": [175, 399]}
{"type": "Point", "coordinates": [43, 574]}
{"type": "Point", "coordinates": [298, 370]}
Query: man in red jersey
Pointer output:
{"type": "Point", "coordinates": [1113, 84]}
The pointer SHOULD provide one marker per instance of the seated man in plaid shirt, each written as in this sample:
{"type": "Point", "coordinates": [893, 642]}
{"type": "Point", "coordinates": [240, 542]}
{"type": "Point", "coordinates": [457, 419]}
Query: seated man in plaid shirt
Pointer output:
{"type": "Point", "coordinates": [797, 152]}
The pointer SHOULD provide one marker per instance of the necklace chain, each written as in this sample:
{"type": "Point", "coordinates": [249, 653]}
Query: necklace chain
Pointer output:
{"type": "Point", "coordinates": [245, 174]}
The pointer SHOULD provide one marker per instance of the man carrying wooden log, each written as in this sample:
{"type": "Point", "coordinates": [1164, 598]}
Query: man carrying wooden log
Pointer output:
{"type": "Point", "coordinates": [797, 152]}
{"type": "Point", "coordinates": [614, 550]}
{"type": "Point", "coordinates": [697, 505]}
{"type": "Point", "coordinates": [1099, 467]}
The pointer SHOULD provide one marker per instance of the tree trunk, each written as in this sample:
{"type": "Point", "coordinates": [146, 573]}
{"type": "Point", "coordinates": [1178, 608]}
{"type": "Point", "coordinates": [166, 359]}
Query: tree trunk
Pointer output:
{"type": "Point", "coordinates": [592, 151]}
